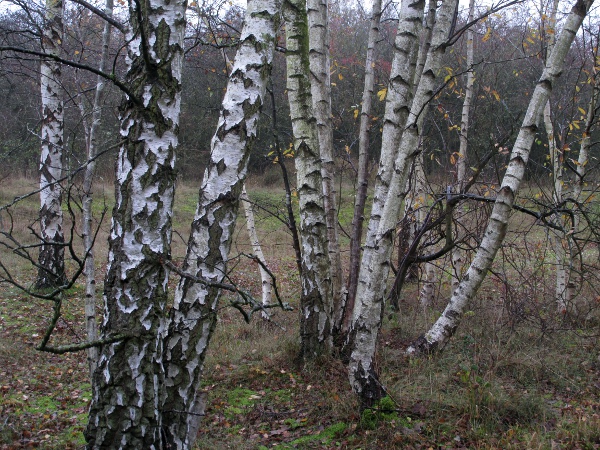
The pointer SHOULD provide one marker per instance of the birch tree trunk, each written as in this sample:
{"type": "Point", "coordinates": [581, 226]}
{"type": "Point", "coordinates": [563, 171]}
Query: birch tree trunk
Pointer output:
{"type": "Point", "coordinates": [316, 302]}
{"type": "Point", "coordinates": [436, 338]}
{"type": "Point", "coordinates": [363, 160]}
{"type": "Point", "coordinates": [193, 317]}
{"type": "Point", "coordinates": [376, 260]}
{"type": "Point", "coordinates": [319, 60]}
{"type": "Point", "coordinates": [124, 411]}
{"type": "Point", "coordinates": [397, 107]}
{"type": "Point", "coordinates": [461, 164]}
{"type": "Point", "coordinates": [51, 263]}
{"type": "Point", "coordinates": [88, 179]}
{"type": "Point", "coordinates": [265, 279]}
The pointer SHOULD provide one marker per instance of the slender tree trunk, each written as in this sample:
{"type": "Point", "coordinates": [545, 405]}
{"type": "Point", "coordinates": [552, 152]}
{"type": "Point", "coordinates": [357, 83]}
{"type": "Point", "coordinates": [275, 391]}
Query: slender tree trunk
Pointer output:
{"type": "Point", "coordinates": [363, 162]}
{"type": "Point", "coordinates": [397, 107]}
{"type": "Point", "coordinates": [266, 282]}
{"type": "Point", "coordinates": [51, 268]}
{"type": "Point", "coordinates": [193, 317]}
{"type": "Point", "coordinates": [316, 302]}
{"type": "Point", "coordinates": [319, 59]}
{"type": "Point", "coordinates": [461, 164]}
{"type": "Point", "coordinates": [375, 266]}
{"type": "Point", "coordinates": [124, 411]}
{"type": "Point", "coordinates": [88, 178]}
{"type": "Point", "coordinates": [436, 338]}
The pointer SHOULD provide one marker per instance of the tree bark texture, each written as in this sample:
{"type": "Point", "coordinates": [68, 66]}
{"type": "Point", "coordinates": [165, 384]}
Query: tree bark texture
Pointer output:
{"type": "Point", "coordinates": [439, 334]}
{"type": "Point", "coordinates": [88, 180]}
{"type": "Point", "coordinates": [316, 302]}
{"type": "Point", "coordinates": [124, 411]}
{"type": "Point", "coordinates": [193, 317]}
{"type": "Point", "coordinates": [363, 161]}
{"type": "Point", "coordinates": [319, 59]}
{"type": "Point", "coordinates": [375, 265]}
{"type": "Point", "coordinates": [51, 264]}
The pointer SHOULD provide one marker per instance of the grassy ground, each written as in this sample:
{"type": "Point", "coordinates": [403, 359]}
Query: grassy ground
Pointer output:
{"type": "Point", "coordinates": [516, 376]}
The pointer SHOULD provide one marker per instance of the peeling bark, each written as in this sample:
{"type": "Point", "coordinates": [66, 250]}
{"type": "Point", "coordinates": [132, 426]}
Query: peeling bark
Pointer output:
{"type": "Point", "coordinates": [316, 302]}
{"type": "Point", "coordinates": [443, 329]}
{"type": "Point", "coordinates": [363, 160]}
{"type": "Point", "coordinates": [51, 263]}
{"type": "Point", "coordinates": [319, 61]}
{"type": "Point", "coordinates": [193, 317]}
{"type": "Point", "coordinates": [124, 411]}
{"type": "Point", "coordinates": [375, 265]}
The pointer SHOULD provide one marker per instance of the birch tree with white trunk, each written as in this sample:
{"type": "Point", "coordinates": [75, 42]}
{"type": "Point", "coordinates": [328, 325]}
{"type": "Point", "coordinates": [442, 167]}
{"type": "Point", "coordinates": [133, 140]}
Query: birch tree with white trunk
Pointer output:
{"type": "Point", "coordinates": [265, 280]}
{"type": "Point", "coordinates": [193, 317]}
{"type": "Point", "coordinates": [458, 261]}
{"type": "Point", "coordinates": [443, 329]}
{"type": "Point", "coordinates": [316, 301]}
{"type": "Point", "coordinates": [124, 411]}
{"type": "Point", "coordinates": [319, 60]}
{"type": "Point", "coordinates": [360, 197]}
{"type": "Point", "coordinates": [375, 265]}
{"type": "Point", "coordinates": [87, 198]}
{"type": "Point", "coordinates": [51, 263]}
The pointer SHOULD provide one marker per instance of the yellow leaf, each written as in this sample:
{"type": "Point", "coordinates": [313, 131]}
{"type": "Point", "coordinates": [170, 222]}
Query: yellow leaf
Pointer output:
{"type": "Point", "coordinates": [77, 52]}
{"type": "Point", "coordinates": [487, 35]}
{"type": "Point", "coordinates": [452, 159]}
{"type": "Point", "coordinates": [355, 113]}
{"type": "Point", "coordinates": [340, 76]}
{"type": "Point", "coordinates": [496, 95]}
{"type": "Point", "coordinates": [381, 94]}
{"type": "Point", "coordinates": [581, 110]}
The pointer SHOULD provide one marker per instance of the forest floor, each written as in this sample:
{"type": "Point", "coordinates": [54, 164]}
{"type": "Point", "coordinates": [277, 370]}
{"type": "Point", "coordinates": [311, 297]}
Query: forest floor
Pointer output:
{"type": "Point", "coordinates": [514, 377]}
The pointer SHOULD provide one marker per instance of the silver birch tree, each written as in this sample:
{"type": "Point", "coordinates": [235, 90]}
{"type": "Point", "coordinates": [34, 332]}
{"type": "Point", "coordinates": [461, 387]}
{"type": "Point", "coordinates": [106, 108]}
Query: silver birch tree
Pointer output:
{"type": "Point", "coordinates": [193, 316]}
{"type": "Point", "coordinates": [316, 302]}
{"type": "Point", "coordinates": [360, 197]}
{"type": "Point", "coordinates": [51, 265]}
{"type": "Point", "coordinates": [87, 198]}
{"type": "Point", "coordinates": [376, 260]}
{"type": "Point", "coordinates": [265, 280]}
{"type": "Point", "coordinates": [319, 59]}
{"type": "Point", "coordinates": [124, 411]}
{"type": "Point", "coordinates": [461, 163]}
{"type": "Point", "coordinates": [441, 331]}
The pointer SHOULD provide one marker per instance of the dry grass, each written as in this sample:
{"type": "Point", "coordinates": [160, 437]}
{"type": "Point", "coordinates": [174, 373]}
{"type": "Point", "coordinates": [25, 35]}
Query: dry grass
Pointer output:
{"type": "Point", "coordinates": [516, 376]}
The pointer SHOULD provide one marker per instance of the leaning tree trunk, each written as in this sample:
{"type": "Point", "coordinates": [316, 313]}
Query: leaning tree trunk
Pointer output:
{"type": "Point", "coordinates": [51, 264]}
{"type": "Point", "coordinates": [360, 198]}
{"type": "Point", "coordinates": [193, 317]}
{"type": "Point", "coordinates": [375, 266]}
{"type": "Point", "coordinates": [443, 329]}
{"type": "Point", "coordinates": [319, 59]}
{"type": "Point", "coordinates": [316, 303]}
{"type": "Point", "coordinates": [126, 384]}
{"type": "Point", "coordinates": [88, 179]}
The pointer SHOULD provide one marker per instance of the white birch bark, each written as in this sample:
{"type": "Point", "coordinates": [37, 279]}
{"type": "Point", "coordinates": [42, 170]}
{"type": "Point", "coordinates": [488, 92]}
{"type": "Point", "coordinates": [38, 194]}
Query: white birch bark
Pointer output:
{"type": "Point", "coordinates": [124, 411]}
{"type": "Point", "coordinates": [193, 317]}
{"type": "Point", "coordinates": [265, 280]}
{"type": "Point", "coordinates": [316, 302]}
{"type": "Point", "coordinates": [51, 268]}
{"type": "Point", "coordinates": [88, 178]}
{"type": "Point", "coordinates": [461, 164]}
{"type": "Point", "coordinates": [363, 159]}
{"type": "Point", "coordinates": [436, 338]}
{"type": "Point", "coordinates": [582, 161]}
{"type": "Point", "coordinates": [375, 266]}
{"type": "Point", "coordinates": [399, 96]}
{"type": "Point", "coordinates": [319, 59]}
